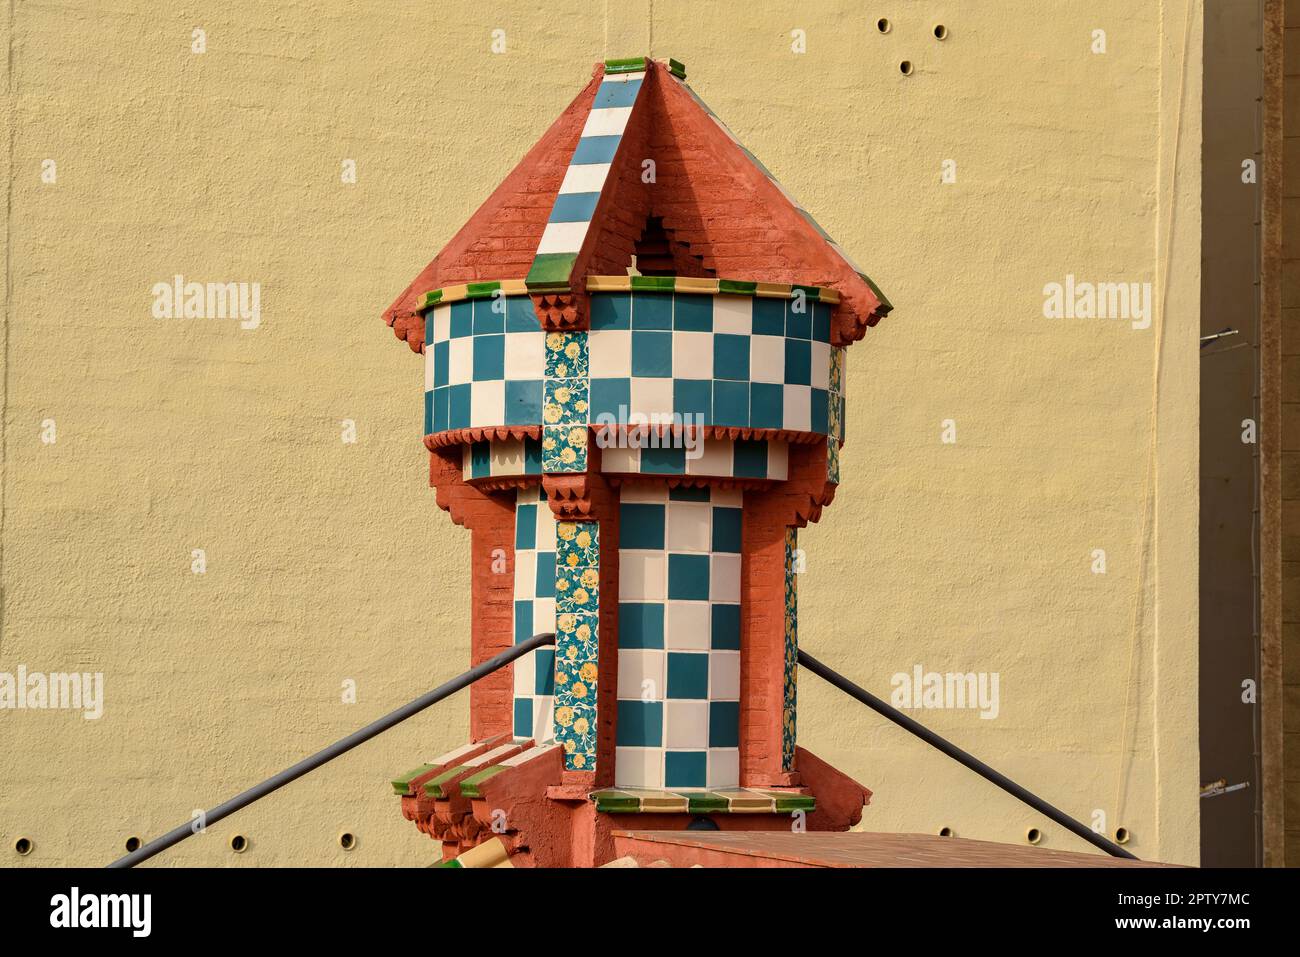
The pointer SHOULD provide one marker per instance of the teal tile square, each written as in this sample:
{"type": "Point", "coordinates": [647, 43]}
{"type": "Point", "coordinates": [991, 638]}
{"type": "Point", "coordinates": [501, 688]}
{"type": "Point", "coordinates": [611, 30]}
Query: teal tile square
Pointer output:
{"type": "Point", "coordinates": [641, 525]}
{"type": "Point", "coordinates": [520, 316]}
{"type": "Point", "coordinates": [730, 403]}
{"type": "Point", "coordinates": [725, 627]}
{"type": "Point", "coordinates": [663, 461]}
{"type": "Point", "coordinates": [489, 316]}
{"type": "Point", "coordinates": [652, 310]}
{"type": "Point", "coordinates": [769, 317]}
{"type": "Point", "coordinates": [688, 577]}
{"type": "Point", "coordinates": [693, 313]}
{"type": "Point", "coordinates": [766, 405]}
{"type": "Point", "coordinates": [611, 398]}
{"type": "Point", "coordinates": [611, 310]}
{"type": "Point", "coordinates": [640, 724]}
{"type": "Point", "coordinates": [724, 724]}
{"type": "Point", "coordinates": [462, 319]}
{"type": "Point", "coordinates": [727, 524]}
{"type": "Point", "coordinates": [652, 354]}
{"type": "Point", "coordinates": [641, 624]}
{"type": "Point", "coordinates": [685, 769]}
{"type": "Point", "coordinates": [730, 357]}
{"type": "Point", "coordinates": [489, 358]}
{"type": "Point", "coordinates": [749, 458]}
{"type": "Point", "coordinates": [523, 401]}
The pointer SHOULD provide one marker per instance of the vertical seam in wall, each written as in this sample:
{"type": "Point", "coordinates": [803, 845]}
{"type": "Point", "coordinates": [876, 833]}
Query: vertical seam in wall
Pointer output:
{"type": "Point", "coordinates": [12, 108]}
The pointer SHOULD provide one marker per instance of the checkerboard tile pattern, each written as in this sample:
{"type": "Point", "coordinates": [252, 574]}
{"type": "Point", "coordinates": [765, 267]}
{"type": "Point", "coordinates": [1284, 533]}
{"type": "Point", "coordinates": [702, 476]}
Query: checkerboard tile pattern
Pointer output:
{"type": "Point", "coordinates": [484, 363]}
{"type": "Point", "coordinates": [575, 204]}
{"type": "Point", "coordinates": [740, 361]}
{"type": "Point", "coordinates": [496, 458]}
{"type": "Point", "coordinates": [679, 638]}
{"type": "Point", "coordinates": [534, 674]}
{"type": "Point", "coordinates": [725, 458]}
{"type": "Point", "coordinates": [730, 360]}
{"type": "Point", "coordinates": [577, 641]}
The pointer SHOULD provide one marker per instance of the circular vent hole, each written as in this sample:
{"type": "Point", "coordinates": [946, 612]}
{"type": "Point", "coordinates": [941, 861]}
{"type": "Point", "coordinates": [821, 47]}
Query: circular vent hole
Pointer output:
{"type": "Point", "coordinates": [347, 841]}
{"type": "Point", "coordinates": [1121, 835]}
{"type": "Point", "coordinates": [905, 68]}
{"type": "Point", "coordinates": [239, 844]}
{"type": "Point", "coordinates": [23, 846]}
{"type": "Point", "coordinates": [945, 832]}
{"type": "Point", "coordinates": [883, 25]}
{"type": "Point", "coordinates": [132, 844]}
{"type": "Point", "coordinates": [940, 32]}
{"type": "Point", "coordinates": [1033, 835]}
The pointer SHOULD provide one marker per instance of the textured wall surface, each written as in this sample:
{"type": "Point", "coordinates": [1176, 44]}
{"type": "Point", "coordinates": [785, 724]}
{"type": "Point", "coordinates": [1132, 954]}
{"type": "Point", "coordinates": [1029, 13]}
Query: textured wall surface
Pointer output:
{"type": "Point", "coordinates": [327, 561]}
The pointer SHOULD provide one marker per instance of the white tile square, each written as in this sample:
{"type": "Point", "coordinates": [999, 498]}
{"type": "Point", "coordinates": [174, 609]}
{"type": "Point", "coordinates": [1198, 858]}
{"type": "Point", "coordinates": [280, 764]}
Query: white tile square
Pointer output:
{"type": "Point", "coordinates": [428, 369]}
{"type": "Point", "coordinates": [460, 360]}
{"type": "Point", "coordinates": [526, 675]}
{"type": "Point", "coordinates": [767, 359]}
{"type": "Point", "coordinates": [728, 497]}
{"type": "Point", "coordinates": [641, 674]}
{"type": "Point", "coordinates": [724, 675]}
{"type": "Point", "coordinates": [821, 365]}
{"type": "Point", "coordinates": [610, 353]}
{"type": "Point", "coordinates": [688, 526]}
{"type": "Point", "coordinates": [526, 575]}
{"type": "Point", "coordinates": [724, 768]}
{"type": "Point", "coordinates": [441, 323]}
{"type": "Point", "coordinates": [620, 460]}
{"type": "Point", "coordinates": [692, 355]}
{"type": "Point", "coordinates": [798, 408]}
{"type": "Point", "coordinates": [507, 456]}
{"type": "Point", "coordinates": [607, 121]}
{"type": "Point", "coordinates": [652, 395]}
{"type": "Point", "coordinates": [733, 314]}
{"type": "Point", "coordinates": [714, 460]}
{"type": "Point", "coordinates": [585, 178]}
{"type": "Point", "coordinates": [545, 538]}
{"type": "Point", "coordinates": [649, 493]}
{"type": "Point", "coordinates": [724, 577]}
{"type": "Point", "coordinates": [525, 355]}
{"type": "Point", "coordinates": [642, 575]}
{"type": "Point", "coordinates": [686, 625]}
{"type": "Point", "coordinates": [562, 238]}
{"type": "Point", "coordinates": [778, 461]}
{"type": "Point", "coordinates": [639, 767]}
{"type": "Point", "coordinates": [487, 403]}
{"type": "Point", "coordinates": [543, 718]}
{"type": "Point", "coordinates": [686, 724]}
{"type": "Point", "coordinates": [543, 615]}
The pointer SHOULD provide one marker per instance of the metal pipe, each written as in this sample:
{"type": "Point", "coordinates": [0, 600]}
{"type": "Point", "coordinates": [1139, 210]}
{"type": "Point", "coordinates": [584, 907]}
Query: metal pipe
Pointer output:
{"type": "Point", "coordinates": [278, 781]}
{"type": "Point", "coordinates": [961, 757]}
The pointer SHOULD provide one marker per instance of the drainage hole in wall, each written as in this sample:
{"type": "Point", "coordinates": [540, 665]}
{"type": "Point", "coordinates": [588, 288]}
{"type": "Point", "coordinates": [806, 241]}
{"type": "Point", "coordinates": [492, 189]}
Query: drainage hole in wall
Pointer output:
{"type": "Point", "coordinates": [883, 25]}
{"type": "Point", "coordinates": [132, 844]}
{"type": "Point", "coordinates": [905, 68]}
{"type": "Point", "coordinates": [945, 832]}
{"type": "Point", "coordinates": [239, 844]}
{"type": "Point", "coordinates": [23, 846]}
{"type": "Point", "coordinates": [940, 32]}
{"type": "Point", "coordinates": [347, 841]}
{"type": "Point", "coordinates": [1033, 835]}
{"type": "Point", "coordinates": [1121, 835]}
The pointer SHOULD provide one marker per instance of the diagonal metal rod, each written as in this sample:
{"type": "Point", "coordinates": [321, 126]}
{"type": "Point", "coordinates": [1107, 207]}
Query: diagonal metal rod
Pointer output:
{"type": "Point", "coordinates": [962, 757]}
{"type": "Point", "coordinates": [278, 781]}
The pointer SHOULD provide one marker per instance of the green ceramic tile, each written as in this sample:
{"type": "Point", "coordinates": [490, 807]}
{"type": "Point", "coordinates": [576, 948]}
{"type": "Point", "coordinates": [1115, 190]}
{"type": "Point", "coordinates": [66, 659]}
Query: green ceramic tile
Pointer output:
{"type": "Point", "coordinates": [470, 786]}
{"type": "Point", "coordinates": [433, 786]}
{"type": "Point", "coordinates": [550, 272]}
{"type": "Point", "coordinates": [616, 802]}
{"type": "Point", "coordinates": [812, 292]}
{"type": "Point", "coordinates": [402, 785]}
{"type": "Point", "coordinates": [633, 64]}
{"type": "Point", "coordinates": [482, 290]}
{"type": "Point", "coordinates": [677, 68]}
{"type": "Point", "coordinates": [737, 287]}
{"type": "Point", "coordinates": [431, 298]}
{"type": "Point", "coordinates": [705, 802]}
{"type": "Point", "coordinates": [654, 283]}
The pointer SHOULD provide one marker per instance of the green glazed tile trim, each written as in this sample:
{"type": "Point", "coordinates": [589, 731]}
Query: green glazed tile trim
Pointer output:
{"type": "Point", "coordinates": [433, 786]}
{"type": "Point", "coordinates": [706, 802]}
{"type": "Point", "coordinates": [633, 64]}
{"type": "Point", "coordinates": [550, 272]}
{"type": "Point", "coordinates": [653, 283]}
{"type": "Point", "coordinates": [451, 863]}
{"type": "Point", "coordinates": [677, 68]}
{"type": "Point", "coordinates": [482, 290]}
{"type": "Point", "coordinates": [402, 785]}
{"type": "Point", "coordinates": [812, 292]}
{"type": "Point", "coordinates": [614, 802]}
{"type": "Point", "coordinates": [794, 802]}
{"type": "Point", "coordinates": [886, 307]}
{"type": "Point", "coordinates": [737, 287]}
{"type": "Point", "coordinates": [470, 786]}
{"type": "Point", "coordinates": [431, 298]}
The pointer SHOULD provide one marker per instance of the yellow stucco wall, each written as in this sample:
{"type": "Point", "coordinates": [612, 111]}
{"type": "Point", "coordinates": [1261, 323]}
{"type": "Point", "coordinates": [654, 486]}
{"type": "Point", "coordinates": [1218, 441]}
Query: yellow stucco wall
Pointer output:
{"type": "Point", "coordinates": [328, 561]}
